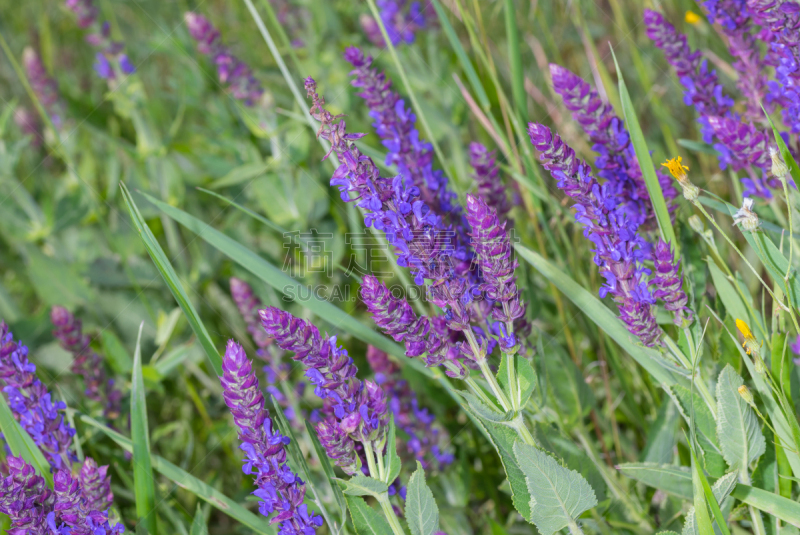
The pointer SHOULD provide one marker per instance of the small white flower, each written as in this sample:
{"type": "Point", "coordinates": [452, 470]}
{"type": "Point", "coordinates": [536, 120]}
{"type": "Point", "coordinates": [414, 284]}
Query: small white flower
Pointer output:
{"type": "Point", "coordinates": [746, 217]}
{"type": "Point", "coordinates": [779, 167]}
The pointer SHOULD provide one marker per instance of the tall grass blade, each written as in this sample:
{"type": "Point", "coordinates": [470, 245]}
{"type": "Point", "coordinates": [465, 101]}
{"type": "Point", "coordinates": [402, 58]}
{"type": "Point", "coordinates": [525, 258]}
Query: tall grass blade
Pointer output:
{"type": "Point", "coordinates": [144, 484]}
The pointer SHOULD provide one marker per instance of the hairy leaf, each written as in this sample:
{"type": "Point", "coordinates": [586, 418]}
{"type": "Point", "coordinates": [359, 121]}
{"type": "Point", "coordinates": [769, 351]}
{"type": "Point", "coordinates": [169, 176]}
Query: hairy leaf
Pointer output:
{"type": "Point", "coordinates": [738, 429]}
{"type": "Point", "coordinates": [422, 514]}
{"type": "Point", "coordinates": [366, 520]}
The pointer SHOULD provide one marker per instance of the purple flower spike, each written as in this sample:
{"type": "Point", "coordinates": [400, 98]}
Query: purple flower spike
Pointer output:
{"type": "Point", "coordinates": [425, 438]}
{"type": "Point", "coordinates": [32, 404]}
{"type": "Point", "coordinates": [359, 408]}
{"type": "Point", "coordinates": [615, 241]}
{"type": "Point", "coordinates": [232, 72]}
{"type": "Point", "coordinates": [485, 174]}
{"type": "Point", "coordinates": [495, 258]}
{"type": "Point", "coordinates": [669, 285]}
{"type": "Point", "coordinates": [279, 489]}
{"type": "Point", "coordinates": [43, 85]}
{"type": "Point", "coordinates": [25, 498]}
{"type": "Point", "coordinates": [96, 485]}
{"type": "Point", "coordinates": [248, 305]}
{"type": "Point", "coordinates": [752, 149]}
{"type": "Point", "coordinates": [616, 160]}
{"type": "Point", "coordinates": [87, 362]}
{"type": "Point", "coordinates": [84, 10]}
{"type": "Point", "coordinates": [401, 18]}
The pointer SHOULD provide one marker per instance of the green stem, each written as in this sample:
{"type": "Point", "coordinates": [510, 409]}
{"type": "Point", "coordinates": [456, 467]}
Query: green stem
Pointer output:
{"type": "Point", "coordinates": [388, 512]}
{"type": "Point", "coordinates": [755, 515]}
{"type": "Point", "coordinates": [574, 528]}
{"type": "Point", "coordinates": [791, 228]}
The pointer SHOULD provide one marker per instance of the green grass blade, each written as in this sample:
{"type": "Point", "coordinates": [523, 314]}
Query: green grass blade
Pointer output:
{"type": "Point", "coordinates": [711, 500]}
{"type": "Point", "coordinates": [199, 526]}
{"type": "Point", "coordinates": [662, 370]}
{"type": "Point", "coordinates": [646, 164]}
{"type": "Point", "coordinates": [21, 443]}
{"type": "Point", "coordinates": [144, 484]}
{"type": "Point", "coordinates": [191, 484]}
{"type": "Point", "coordinates": [171, 278]}
{"type": "Point", "coordinates": [515, 60]}
{"type": "Point", "coordinates": [769, 502]}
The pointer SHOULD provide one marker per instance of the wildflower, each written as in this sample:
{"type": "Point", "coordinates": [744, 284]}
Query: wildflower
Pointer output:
{"type": "Point", "coordinates": [424, 437]}
{"type": "Point", "coordinates": [401, 18]}
{"type": "Point", "coordinates": [779, 167]}
{"type": "Point", "coordinates": [359, 408]}
{"type": "Point", "coordinates": [232, 72]}
{"type": "Point", "coordinates": [485, 174]}
{"type": "Point", "coordinates": [692, 18]}
{"type": "Point", "coordinates": [71, 513]}
{"type": "Point", "coordinates": [616, 244]}
{"type": "Point", "coordinates": [25, 498]}
{"type": "Point", "coordinates": [749, 342]}
{"type": "Point", "coordinates": [668, 284]}
{"type": "Point", "coordinates": [616, 161]}
{"type": "Point", "coordinates": [248, 305]}
{"type": "Point", "coordinates": [746, 217]}
{"type": "Point", "coordinates": [678, 170]}
{"type": "Point", "coordinates": [751, 148]}
{"type": "Point", "coordinates": [84, 10]}
{"type": "Point", "coordinates": [279, 489]}
{"type": "Point", "coordinates": [86, 362]}
{"type": "Point", "coordinates": [43, 85]}
{"type": "Point", "coordinates": [32, 404]}
{"type": "Point", "coordinates": [95, 485]}
{"type": "Point", "coordinates": [110, 59]}
{"type": "Point", "coordinates": [746, 395]}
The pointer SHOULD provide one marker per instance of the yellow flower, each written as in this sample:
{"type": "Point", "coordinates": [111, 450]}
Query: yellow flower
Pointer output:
{"type": "Point", "coordinates": [692, 17]}
{"type": "Point", "coordinates": [750, 345]}
{"type": "Point", "coordinates": [676, 168]}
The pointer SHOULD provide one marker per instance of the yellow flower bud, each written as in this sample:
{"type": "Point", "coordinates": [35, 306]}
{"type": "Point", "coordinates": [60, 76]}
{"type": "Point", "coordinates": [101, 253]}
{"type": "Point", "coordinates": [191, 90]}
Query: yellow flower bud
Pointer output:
{"type": "Point", "coordinates": [747, 396]}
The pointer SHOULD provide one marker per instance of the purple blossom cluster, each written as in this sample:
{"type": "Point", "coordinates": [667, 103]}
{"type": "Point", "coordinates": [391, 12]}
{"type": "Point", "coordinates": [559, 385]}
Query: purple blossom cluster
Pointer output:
{"type": "Point", "coordinates": [740, 145]}
{"type": "Point", "coordinates": [401, 18]}
{"type": "Point", "coordinates": [357, 410]}
{"type": "Point", "coordinates": [32, 404]}
{"type": "Point", "coordinates": [86, 362]}
{"type": "Point", "coordinates": [616, 244]}
{"type": "Point", "coordinates": [413, 156]}
{"type": "Point", "coordinates": [669, 284]}
{"type": "Point", "coordinates": [33, 509]}
{"type": "Point", "coordinates": [485, 174]}
{"type": "Point", "coordinates": [110, 59]}
{"type": "Point", "coordinates": [279, 489]}
{"type": "Point", "coordinates": [424, 437]}
{"type": "Point", "coordinates": [43, 85]}
{"type": "Point", "coordinates": [780, 21]}
{"type": "Point", "coordinates": [232, 72]}
{"type": "Point", "coordinates": [616, 161]}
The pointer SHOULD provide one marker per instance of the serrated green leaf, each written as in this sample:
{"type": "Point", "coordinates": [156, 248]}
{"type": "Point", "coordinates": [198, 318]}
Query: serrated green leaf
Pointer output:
{"type": "Point", "coordinates": [422, 514]}
{"type": "Point", "coordinates": [190, 483]}
{"type": "Point", "coordinates": [199, 526]}
{"type": "Point", "coordinates": [516, 368]}
{"type": "Point", "coordinates": [705, 427]}
{"type": "Point", "coordinates": [366, 520]}
{"type": "Point", "coordinates": [484, 412]}
{"type": "Point", "coordinates": [574, 457]}
{"type": "Point", "coordinates": [738, 429]}
{"type": "Point", "coordinates": [361, 485]}
{"type": "Point", "coordinates": [570, 394]}
{"type": "Point", "coordinates": [391, 459]}
{"type": "Point", "coordinates": [144, 483]}
{"type": "Point", "coordinates": [558, 495]}
{"type": "Point", "coordinates": [328, 469]}
{"type": "Point", "coordinates": [662, 370]}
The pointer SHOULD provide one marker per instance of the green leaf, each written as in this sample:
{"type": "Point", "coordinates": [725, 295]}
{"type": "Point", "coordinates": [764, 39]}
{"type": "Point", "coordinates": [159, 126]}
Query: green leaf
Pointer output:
{"type": "Point", "coordinates": [56, 282]}
{"type": "Point", "coordinates": [646, 163]}
{"type": "Point", "coordinates": [705, 427]}
{"type": "Point", "coordinates": [422, 514]}
{"type": "Point", "coordinates": [661, 437]}
{"type": "Point", "coordinates": [663, 371]}
{"type": "Point", "coordinates": [675, 480]}
{"type": "Point", "coordinates": [361, 485]}
{"type": "Point", "coordinates": [484, 412]}
{"type": "Point", "coordinates": [21, 443]}
{"type": "Point", "coordinates": [366, 520]}
{"type": "Point", "coordinates": [391, 459]}
{"type": "Point", "coordinates": [144, 484]}
{"type": "Point", "coordinates": [721, 490]}
{"type": "Point", "coordinates": [173, 282]}
{"type": "Point", "coordinates": [573, 456]}
{"type": "Point", "coordinates": [726, 291]}
{"type": "Point", "coordinates": [701, 520]}
{"type": "Point", "coordinates": [558, 495]}
{"type": "Point", "coordinates": [521, 373]}
{"type": "Point", "coordinates": [515, 60]}
{"type": "Point", "coordinates": [738, 429]}
{"type": "Point", "coordinates": [572, 397]}
{"type": "Point", "coordinates": [242, 173]}
{"type": "Point", "coordinates": [190, 483]}
{"type": "Point", "coordinates": [328, 469]}
{"type": "Point", "coordinates": [119, 358]}
{"type": "Point", "coordinates": [794, 169]}
{"type": "Point", "coordinates": [199, 526]}
{"type": "Point", "coordinates": [770, 503]}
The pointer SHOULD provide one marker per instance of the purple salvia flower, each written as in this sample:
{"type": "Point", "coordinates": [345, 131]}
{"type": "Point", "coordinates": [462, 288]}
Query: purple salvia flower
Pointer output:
{"type": "Point", "coordinates": [669, 284]}
{"type": "Point", "coordinates": [279, 489]}
{"type": "Point", "coordinates": [424, 438]}
{"type": "Point", "coordinates": [96, 485]}
{"type": "Point", "coordinates": [359, 407]}
{"type": "Point", "coordinates": [87, 363]}
{"type": "Point", "coordinates": [781, 23]}
{"type": "Point", "coordinates": [84, 10]}
{"type": "Point", "coordinates": [751, 147]}
{"type": "Point", "coordinates": [614, 240]}
{"type": "Point", "coordinates": [72, 514]}
{"type": "Point", "coordinates": [25, 498]}
{"type": "Point", "coordinates": [43, 85]}
{"type": "Point", "coordinates": [496, 260]}
{"type": "Point", "coordinates": [232, 72]}
{"type": "Point", "coordinates": [734, 18]}
{"type": "Point", "coordinates": [616, 161]}
{"type": "Point", "coordinates": [485, 174]}
{"type": "Point", "coordinates": [413, 156]}
{"type": "Point", "coordinates": [401, 18]}
{"type": "Point", "coordinates": [248, 305]}
{"type": "Point", "coordinates": [32, 404]}
{"type": "Point", "coordinates": [420, 239]}
{"type": "Point", "coordinates": [110, 59]}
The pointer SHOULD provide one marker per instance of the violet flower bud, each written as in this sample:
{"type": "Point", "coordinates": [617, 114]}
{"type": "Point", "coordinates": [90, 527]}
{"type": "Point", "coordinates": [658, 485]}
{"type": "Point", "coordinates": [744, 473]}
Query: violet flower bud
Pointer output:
{"type": "Point", "coordinates": [43, 85]}
{"type": "Point", "coordinates": [96, 485]}
{"type": "Point", "coordinates": [669, 285]}
{"type": "Point", "coordinates": [32, 404]}
{"type": "Point", "coordinates": [84, 10]}
{"type": "Point", "coordinates": [485, 174]}
{"type": "Point", "coordinates": [279, 489]}
{"type": "Point", "coordinates": [87, 363]}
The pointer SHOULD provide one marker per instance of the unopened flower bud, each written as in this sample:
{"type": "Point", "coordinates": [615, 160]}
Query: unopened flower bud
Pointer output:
{"type": "Point", "coordinates": [745, 217]}
{"type": "Point", "coordinates": [779, 167]}
{"type": "Point", "coordinates": [747, 396]}
{"type": "Point", "coordinates": [678, 170]}
{"type": "Point", "coordinates": [761, 368]}
{"type": "Point", "coordinates": [696, 223]}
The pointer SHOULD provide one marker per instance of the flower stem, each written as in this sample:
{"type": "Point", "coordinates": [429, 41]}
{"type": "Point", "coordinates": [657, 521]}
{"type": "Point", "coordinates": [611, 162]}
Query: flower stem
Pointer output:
{"type": "Point", "coordinates": [388, 512]}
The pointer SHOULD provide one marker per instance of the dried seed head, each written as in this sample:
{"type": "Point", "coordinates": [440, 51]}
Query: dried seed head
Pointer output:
{"type": "Point", "coordinates": [745, 217]}
{"type": "Point", "coordinates": [779, 167]}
